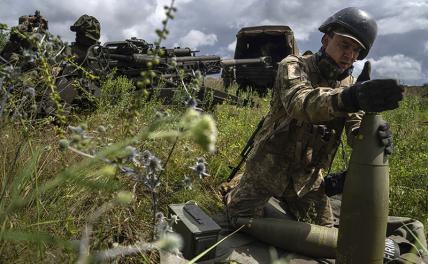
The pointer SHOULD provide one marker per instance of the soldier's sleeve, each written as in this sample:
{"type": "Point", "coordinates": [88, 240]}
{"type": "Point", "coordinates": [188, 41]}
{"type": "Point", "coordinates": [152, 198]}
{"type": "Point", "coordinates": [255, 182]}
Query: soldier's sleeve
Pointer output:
{"type": "Point", "coordinates": [300, 99]}
{"type": "Point", "coordinates": [352, 124]}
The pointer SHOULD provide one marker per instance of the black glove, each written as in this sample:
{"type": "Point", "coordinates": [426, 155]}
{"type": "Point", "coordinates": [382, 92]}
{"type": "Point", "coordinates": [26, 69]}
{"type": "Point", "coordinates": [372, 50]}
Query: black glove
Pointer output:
{"type": "Point", "coordinates": [384, 134]}
{"type": "Point", "coordinates": [372, 96]}
{"type": "Point", "coordinates": [334, 183]}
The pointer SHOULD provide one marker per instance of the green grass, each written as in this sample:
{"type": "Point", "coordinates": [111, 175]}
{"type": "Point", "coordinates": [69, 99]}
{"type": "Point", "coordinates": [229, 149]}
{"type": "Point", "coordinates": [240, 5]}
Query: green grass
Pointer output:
{"type": "Point", "coordinates": [59, 190]}
{"type": "Point", "coordinates": [409, 170]}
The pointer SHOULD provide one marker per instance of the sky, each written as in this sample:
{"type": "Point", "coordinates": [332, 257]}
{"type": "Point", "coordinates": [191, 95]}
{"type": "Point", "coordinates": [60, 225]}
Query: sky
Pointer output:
{"type": "Point", "coordinates": [400, 50]}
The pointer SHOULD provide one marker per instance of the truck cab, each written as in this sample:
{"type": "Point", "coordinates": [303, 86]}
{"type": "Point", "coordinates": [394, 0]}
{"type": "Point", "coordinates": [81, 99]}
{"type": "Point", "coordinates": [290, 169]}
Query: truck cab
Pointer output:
{"type": "Point", "coordinates": [275, 41]}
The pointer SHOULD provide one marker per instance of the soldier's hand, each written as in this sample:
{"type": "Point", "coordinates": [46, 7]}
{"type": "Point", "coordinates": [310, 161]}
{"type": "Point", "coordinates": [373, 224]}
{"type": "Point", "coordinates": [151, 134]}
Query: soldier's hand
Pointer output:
{"type": "Point", "coordinates": [334, 183]}
{"type": "Point", "coordinates": [384, 134]}
{"type": "Point", "coordinates": [372, 96]}
{"type": "Point", "coordinates": [365, 73]}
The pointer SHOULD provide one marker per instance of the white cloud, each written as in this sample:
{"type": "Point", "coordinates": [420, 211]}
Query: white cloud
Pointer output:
{"type": "Point", "coordinates": [398, 66]}
{"type": "Point", "coordinates": [397, 16]}
{"type": "Point", "coordinates": [196, 38]}
{"type": "Point", "coordinates": [231, 47]}
{"type": "Point", "coordinates": [217, 22]}
{"type": "Point", "coordinates": [358, 67]}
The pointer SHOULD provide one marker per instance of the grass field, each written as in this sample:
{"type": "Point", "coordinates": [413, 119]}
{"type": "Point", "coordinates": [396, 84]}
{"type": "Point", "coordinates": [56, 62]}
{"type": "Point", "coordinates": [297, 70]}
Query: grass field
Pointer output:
{"type": "Point", "coordinates": [48, 195]}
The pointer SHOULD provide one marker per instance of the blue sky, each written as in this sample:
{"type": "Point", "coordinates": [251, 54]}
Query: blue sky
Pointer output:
{"type": "Point", "coordinates": [400, 50]}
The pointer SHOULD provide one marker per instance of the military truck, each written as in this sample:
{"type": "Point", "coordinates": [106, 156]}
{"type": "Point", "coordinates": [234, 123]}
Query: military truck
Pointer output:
{"type": "Point", "coordinates": [276, 41]}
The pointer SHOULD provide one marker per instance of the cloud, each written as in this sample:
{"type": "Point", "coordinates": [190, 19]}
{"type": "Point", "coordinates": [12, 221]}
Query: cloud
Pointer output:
{"type": "Point", "coordinates": [215, 23]}
{"type": "Point", "coordinates": [397, 66]}
{"type": "Point", "coordinates": [401, 16]}
{"type": "Point", "coordinates": [196, 38]}
{"type": "Point", "coordinates": [231, 47]}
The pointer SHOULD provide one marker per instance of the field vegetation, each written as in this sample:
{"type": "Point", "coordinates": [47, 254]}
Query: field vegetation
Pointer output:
{"type": "Point", "coordinates": [95, 185]}
{"type": "Point", "coordinates": [49, 193]}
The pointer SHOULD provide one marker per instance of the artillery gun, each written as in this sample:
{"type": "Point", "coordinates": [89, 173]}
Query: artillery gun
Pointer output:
{"type": "Point", "coordinates": [173, 67]}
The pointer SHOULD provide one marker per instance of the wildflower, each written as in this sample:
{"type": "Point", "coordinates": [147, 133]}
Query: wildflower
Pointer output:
{"type": "Point", "coordinates": [75, 139]}
{"type": "Point", "coordinates": [127, 170]}
{"type": "Point", "coordinates": [171, 242]}
{"type": "Point", "coordinates": [101, 129]}
{"type": "Point", "coordinates": [193, 104]}
{"type": "Point", "coordinates": [174, 219]}
{"type": "Point", "coordinates": [189, 118]}
{"type": "Point", "coordinates": [205, 133]}
{"type": "Point", "coordinates": [200, 169]}
{"type": "Point", "coordinates": [30, 91]}
{"type": "Point", "coordinates": [124, 197]}
{"type": "Point", "coordinates": [151, 181]}
{"type": "Point", "coordinates": [146, 156]}
{"type": "Point", "coordinates": [155, 164]}
{"type": "Point", "coordinates": [162, 226]}
{"type": "Point", "coordinates": [133, 155]}
{"type": "Point", "coordinates": [160, 217]}
{"type": "Point", "coordinates": [158, 114]}
{"type": "Point", "coordinates": [187, 183]}
{"type": "Point", "coordinates": [107, 171]}
{"type": "Point", "coordinates": [77, 130]}
{"type": "Point", "coordinates": [161, 114]}
{"type": "Point", "coordinates": [63, 144]}
{"type": "Point", "coordinates": [201, 127]}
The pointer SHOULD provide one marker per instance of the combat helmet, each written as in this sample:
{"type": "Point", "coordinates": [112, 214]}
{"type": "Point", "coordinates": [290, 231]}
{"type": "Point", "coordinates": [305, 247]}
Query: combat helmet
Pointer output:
{"type": "Point", "coordinates": [87, 29]}
{"type": "Point", "coordinates": [357, 23]}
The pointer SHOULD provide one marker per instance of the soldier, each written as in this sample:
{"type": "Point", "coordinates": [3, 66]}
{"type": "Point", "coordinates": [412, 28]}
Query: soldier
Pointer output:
{"type": "Point", "coordinates": [314, 98]}
{"type": "Point", "coordinates": [87, 30]}
{"type": "Point", "coordinates": [19, 36]}
{"type": "Point", "coordinates": [76, 85]}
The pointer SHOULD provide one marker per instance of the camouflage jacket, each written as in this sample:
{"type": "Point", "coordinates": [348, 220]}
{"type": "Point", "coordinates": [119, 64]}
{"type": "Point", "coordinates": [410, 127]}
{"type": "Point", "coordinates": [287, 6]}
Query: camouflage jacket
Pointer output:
{"type": "Point", "coordinates": [76, 52]}
{"type": "Point", "coordinates": [17, 43]}
{"type": "Point", "coordinates": [305, 122]}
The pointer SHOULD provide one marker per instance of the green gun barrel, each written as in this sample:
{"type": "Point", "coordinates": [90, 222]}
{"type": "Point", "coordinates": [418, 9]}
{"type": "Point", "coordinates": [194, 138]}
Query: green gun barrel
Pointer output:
{"type": "Point", "coordinates": [364, 212]}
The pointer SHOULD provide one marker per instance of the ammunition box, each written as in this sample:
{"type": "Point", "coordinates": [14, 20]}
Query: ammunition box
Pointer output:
{"type": "Point", "coordinates": [198, 230]}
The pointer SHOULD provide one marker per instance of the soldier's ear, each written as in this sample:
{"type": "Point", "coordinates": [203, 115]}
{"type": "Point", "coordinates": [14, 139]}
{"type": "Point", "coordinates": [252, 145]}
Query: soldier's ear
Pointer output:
{"type": "Point", "coordinates": [324, 40]}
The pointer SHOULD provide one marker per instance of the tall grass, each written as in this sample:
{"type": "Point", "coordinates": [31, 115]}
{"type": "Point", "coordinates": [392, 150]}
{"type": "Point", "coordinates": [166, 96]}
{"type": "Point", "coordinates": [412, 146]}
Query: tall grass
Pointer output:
{"type": "Point", "coordinates": [54, 192]}
{"type": "Point", "coordinates": [409, 170]}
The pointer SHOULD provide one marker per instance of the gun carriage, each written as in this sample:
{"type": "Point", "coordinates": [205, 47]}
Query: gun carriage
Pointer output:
{"type": "Point", "coordinates": [173, 67]}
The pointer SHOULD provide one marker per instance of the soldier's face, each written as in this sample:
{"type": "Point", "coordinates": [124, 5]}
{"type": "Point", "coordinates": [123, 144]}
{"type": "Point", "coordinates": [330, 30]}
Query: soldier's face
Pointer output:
{"type": "Point", "coordinates": [344, 51]}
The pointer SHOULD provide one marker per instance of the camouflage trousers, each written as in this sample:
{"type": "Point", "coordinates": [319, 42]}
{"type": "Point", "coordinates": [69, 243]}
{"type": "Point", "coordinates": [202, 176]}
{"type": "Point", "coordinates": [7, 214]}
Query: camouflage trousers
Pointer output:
{"type": "Point", "coordinates": [268, 175]}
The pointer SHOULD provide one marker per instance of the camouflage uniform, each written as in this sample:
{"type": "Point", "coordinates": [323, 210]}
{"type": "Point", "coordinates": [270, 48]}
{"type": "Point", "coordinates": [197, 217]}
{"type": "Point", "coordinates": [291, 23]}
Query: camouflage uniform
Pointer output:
{"type": "Point", "coordinates": [87, 30]}
{"type": "Point", "coordinates": [74, 87]}
{"type": "Point", "coordinates": [19, 36]}
{"type": "Point", "coordinates": [297, 142]}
